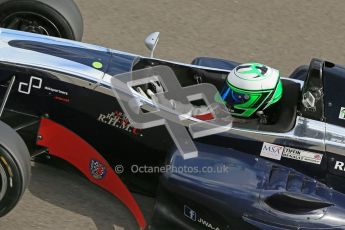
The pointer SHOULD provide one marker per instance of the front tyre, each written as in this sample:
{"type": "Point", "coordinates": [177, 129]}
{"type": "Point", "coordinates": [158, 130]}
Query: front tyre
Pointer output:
{"type": "Point", "coordinates": [14, 168]}
{"type": "Point", "coordinates": [57, 18]}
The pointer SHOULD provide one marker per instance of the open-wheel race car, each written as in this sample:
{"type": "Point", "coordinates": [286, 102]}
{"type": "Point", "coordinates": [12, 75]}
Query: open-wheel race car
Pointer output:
{"type": "Point", "coordinates": [99, 108]}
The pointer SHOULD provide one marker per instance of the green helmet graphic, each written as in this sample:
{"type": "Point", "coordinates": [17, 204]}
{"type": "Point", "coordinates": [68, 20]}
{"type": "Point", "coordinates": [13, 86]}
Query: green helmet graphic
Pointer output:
{"type": "Point", "coordinates": [251, 87]}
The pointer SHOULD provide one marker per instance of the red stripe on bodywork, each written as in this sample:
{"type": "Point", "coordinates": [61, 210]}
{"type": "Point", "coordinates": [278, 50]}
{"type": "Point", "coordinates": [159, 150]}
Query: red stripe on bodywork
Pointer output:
{"type": "Point", "coordinates": [204, 117]}
{"type": "Point", "coordinates": [63, 143]}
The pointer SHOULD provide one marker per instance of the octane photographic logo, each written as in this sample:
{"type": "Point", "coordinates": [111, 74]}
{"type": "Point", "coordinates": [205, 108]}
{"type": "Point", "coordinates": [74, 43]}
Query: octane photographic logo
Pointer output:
{"type": "Point", "coordinates": [119, 120]}
{"type": "Point", "coordinates": [97, 169]}
{"type": "Point", "coordinates": [171, 107]}
{"type": "Point", "coordinates": [34, 82]}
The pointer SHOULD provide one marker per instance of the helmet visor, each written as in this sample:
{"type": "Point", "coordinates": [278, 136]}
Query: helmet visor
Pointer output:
{"type": "Point", "coordinates": [233, 98]}
{"type": "Point", "coordinates": [244, 103]}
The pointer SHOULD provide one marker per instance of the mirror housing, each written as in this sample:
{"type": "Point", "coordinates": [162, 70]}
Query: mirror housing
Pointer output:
{"type": "Point", "coordinates": [151, 42]}
{"type": "Point", "coordinates": [308, 100]}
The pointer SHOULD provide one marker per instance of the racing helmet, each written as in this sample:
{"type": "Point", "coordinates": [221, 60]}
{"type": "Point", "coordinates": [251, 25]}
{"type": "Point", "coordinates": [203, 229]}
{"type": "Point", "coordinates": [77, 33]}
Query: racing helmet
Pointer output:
{"type": "Point", "coordinates": [250, 88]}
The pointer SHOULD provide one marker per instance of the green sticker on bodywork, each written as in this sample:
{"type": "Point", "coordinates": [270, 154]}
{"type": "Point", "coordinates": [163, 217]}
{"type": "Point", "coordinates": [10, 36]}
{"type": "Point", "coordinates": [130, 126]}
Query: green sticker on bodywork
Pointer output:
{"type": "Point", "coordinates": [97, 65]}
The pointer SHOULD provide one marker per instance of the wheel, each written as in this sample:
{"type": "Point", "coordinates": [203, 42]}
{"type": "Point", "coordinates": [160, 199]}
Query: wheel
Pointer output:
{"type": "Point", "coordinates": [14, 168]}
{"type": "Point", "coordinates": [58, 18]}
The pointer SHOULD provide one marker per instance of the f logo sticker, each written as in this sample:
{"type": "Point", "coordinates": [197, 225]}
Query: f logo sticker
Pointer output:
{"type": "Point", "coordinates": [189, 213]}
{"type": "Point", "coordinates": [34, 82]}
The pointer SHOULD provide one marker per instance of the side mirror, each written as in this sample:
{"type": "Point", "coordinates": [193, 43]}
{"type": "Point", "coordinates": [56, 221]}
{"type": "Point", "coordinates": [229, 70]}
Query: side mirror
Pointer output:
{"type": "Point", "coordinates": [151, 41]}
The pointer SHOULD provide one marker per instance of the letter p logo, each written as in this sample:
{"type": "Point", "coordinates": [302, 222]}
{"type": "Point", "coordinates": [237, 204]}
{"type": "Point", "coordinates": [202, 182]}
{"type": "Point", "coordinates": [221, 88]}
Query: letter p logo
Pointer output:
{"type": "Point", "coordinates": [34, 82]}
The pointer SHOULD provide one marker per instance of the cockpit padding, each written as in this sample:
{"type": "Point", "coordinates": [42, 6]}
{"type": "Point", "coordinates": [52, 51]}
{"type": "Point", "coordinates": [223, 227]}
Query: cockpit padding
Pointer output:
{"type": "Point", "coordinates": [284, 112]}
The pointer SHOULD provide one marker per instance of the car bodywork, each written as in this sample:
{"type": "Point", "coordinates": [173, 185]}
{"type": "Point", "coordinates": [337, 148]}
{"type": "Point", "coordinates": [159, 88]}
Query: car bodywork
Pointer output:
{"type": "Point", "coordinates": [62, 91]}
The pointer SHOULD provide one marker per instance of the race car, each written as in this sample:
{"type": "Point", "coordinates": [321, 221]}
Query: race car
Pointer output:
{"type": "Point", "coordinates": [95, 108]}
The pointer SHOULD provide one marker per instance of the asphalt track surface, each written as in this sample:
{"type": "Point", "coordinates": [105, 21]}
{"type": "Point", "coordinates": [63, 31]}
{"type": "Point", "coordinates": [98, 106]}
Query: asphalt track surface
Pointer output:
{"type": "Point", "coordinates": [282, 34]}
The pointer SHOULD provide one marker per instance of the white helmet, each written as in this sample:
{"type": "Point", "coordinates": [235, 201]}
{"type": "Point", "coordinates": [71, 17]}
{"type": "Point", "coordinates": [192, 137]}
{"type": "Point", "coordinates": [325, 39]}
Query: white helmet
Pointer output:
{"type": "Point", "coordinates": [251, 87]}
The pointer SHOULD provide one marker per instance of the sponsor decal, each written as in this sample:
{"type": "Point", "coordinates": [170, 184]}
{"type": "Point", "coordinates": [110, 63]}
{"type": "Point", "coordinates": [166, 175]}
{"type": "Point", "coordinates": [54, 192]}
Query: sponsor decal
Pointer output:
{"type": "Point", "coordinates": [55, 90]}
{"type": "Point", "coordinates": [62, 99]}
{"type": "Point", "coordinates": [301, 155]}
{"type": "Point", "coordinates": [34, 82]}
{"type": "Point", "coordinates": [119, 120]}
{"type": "Point", "coordinates": [97, 65]}
{"type": "Point", "coordinates": [272, 151]}
{"type": "Point", "coordinates": [97, 169]}
{"type": "Point", "coordinates": [339, 165]}
{"type": "Point", "coordinates": [192, 215]}
{"type": "Point", "coordinates": [342, 113]}
{"type": "Point", "coordinates": [277, 151]}
{"type": "Point", "coordinates": [189, 213]}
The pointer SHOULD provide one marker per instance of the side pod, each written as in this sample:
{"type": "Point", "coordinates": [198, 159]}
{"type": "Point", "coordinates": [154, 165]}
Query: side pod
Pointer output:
{"type": "Point", "coordinates": [68, 146]}
{"type": "Point", "coordinates": [226, 189]}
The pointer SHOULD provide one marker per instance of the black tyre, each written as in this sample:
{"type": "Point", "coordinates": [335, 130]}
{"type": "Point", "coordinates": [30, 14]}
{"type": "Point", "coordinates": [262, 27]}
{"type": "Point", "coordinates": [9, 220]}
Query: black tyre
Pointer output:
{"type": "Point", "coordinates": [14, 168]}
{"type": "Point", "coordinates": [58, 18]}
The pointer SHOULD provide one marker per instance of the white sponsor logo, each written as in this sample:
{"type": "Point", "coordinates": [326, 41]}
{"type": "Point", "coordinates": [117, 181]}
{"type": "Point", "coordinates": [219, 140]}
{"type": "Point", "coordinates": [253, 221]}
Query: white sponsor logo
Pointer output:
{"type": "Point", "coordinates": [34, 82]}
{"type": "Point", "coordinates": [191, 214]}
{"type": "Point", "coordinates": [342, 113]}
{"type": "Point", "coordinates": [55, 90]}
{"type": "Point", "coordinates": [339, 166]}
{"type": "Point", "coordinates": [272, 151]}
{"type": "Point", "coordinates": [301, 155]}
{"type": "Point", "coordinates": [207, 224]}
{"type": "Point", "coordinates": [277, 151]}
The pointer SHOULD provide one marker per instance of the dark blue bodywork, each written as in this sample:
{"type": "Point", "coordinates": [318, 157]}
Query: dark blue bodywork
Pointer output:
{"type": "Point", "coordinates": [227, 189]}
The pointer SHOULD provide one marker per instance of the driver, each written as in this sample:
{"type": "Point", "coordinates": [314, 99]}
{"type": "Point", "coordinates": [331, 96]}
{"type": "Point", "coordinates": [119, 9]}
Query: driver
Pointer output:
{"type": "Point", "coordinates": [250, 89]}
